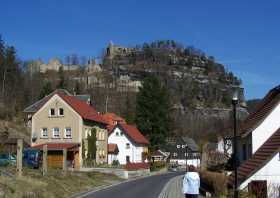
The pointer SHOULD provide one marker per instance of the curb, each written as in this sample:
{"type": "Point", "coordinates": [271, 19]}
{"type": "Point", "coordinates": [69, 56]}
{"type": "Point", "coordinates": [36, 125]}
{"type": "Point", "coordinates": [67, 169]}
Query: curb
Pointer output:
{"type": "Point", "coordinates": [165, 190]}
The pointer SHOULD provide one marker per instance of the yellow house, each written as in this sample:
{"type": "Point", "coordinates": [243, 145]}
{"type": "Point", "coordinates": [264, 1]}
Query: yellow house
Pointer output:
{"type": "Point", "coordinates": [61, 120]}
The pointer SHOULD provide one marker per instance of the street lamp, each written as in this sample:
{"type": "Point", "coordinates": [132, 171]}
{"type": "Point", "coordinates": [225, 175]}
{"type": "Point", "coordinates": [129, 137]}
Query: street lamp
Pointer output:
{"type": "Point", "coordinates": [234, 104]}
{"type": "Point", "coordinates": [186, 146]}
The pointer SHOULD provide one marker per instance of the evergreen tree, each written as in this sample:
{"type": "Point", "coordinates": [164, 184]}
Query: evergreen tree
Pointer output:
{"type": "Point", "coordinates": [46, 89]}
{"type": "Point", "coordinates": [2, 49]}
{"type": "Point", "coordinates": [152, 111]}
{"type": "Point", "coordinates": [78, 89]}
{"type": "Point", "coordinates": [62, 81]}
{"type": "Point", "coordinates": [11, 73]}
{"type": "Point", "coordinates": [92, 145]}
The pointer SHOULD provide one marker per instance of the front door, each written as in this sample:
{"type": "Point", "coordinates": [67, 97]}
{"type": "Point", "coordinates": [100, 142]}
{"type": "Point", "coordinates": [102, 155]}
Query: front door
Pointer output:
{"type": "Point", "coordinates": [127, 159]}
{"type": "Point", "coordinates": [258, 188]}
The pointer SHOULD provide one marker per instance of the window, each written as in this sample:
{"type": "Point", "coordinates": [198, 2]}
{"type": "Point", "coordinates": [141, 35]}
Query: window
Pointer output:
{"type": "Point", "coordinates": [183, 146]}
{"type": "Point", "coordinates": [178, 146]}
{"type": "Point", "coordinates": [56, 132]}
{"type": "Point", "coordinates": [127, 145]}
{"type": "Point", "coordinates": [68, 132]}
{"type": "Point", "coordinates": [117, 134]}
{"type": "Point", "coordinates": [121, 133]}
{"type": "Point", "coordinates": [175, 154]}
{"type": "Point", "coordinates": [44, 133]}
{"type": "Point", "coordinates": [61, 112]}
{"type": "Point", "coordinates": [52, 112]}
{"type": "Point", "coordinates": [103, 136]}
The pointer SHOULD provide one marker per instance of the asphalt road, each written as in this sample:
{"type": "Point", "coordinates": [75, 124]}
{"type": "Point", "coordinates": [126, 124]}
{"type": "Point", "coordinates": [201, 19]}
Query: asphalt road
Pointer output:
{"type": "Point", "coordinates": [149, 187]}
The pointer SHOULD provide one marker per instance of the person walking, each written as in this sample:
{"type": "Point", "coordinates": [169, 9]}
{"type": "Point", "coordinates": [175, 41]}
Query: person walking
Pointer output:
{"type": "Point", "coordinates": [191, 183]}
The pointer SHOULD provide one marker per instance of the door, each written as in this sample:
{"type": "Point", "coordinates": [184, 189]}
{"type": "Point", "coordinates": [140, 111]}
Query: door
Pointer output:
{"type": "Point", "coordinates": [127, 159]}
{"type": "Point", "coordinates": [258, 188]}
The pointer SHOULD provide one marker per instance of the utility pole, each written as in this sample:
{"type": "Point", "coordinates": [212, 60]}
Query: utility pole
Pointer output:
{"type": "Point", "coordinates": [65, 160]}
{"type": "Point", "coordinates": [19, 157]}
{"type": "Point", "coordinates": [186, 146]}
{"type": "Point", "coordinates": [45, 159]}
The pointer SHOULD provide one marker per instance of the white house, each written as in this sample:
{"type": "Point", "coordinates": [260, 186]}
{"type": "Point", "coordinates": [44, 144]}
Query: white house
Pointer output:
{"type": "Point", "coordinates": [259, 148]}
{"type": "Point", "coordinates": [126, 144]}
{"type": "Point", "coordinates": [183, 150]}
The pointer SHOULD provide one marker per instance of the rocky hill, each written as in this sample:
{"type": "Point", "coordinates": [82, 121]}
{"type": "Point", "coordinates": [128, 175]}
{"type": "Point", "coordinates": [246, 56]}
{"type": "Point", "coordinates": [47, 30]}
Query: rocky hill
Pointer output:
{"type": "Point", "coordinates": [200, 88]}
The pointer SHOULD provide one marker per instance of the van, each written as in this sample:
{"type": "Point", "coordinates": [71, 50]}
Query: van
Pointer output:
{"type": "Point", "coordinates": [32, 158]}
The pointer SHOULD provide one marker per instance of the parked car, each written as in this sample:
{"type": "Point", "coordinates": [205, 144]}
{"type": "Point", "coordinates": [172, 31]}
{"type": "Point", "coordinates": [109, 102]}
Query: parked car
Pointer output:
{"type": "Point", "coordinates": [173, 168]}
{"type": "Point", "coordinates": [7, 159]}
{"type": "Point", "coordinates": [32, 158]}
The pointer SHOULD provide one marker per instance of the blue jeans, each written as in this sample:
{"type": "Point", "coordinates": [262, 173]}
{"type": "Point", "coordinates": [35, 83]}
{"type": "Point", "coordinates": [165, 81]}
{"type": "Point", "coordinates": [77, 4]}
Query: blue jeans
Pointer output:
{"type": "Point", "coordinates": [191, 196]}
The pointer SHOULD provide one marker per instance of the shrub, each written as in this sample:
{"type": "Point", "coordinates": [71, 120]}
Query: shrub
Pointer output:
{"type": "Point", "coordinates": [216, 181]}
{"type": "Point", "coordinates": [115, 163]}
{"type": "Point", "coordinates": [157, 166]}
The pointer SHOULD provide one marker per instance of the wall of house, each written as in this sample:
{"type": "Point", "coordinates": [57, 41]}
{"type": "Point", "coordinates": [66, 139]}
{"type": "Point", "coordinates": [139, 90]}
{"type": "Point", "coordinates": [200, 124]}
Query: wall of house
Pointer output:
{"type": "Point", "coordinates": [42, 119]}
{"type": "Point", "coordinates": [101, 141]}
{"type": "Point", "coordinates": [266, 129]}
{"type": "Point", "coordinates": [134, 151]}
{"type": "Point", "coordinates": [182, 162]}
{"type": "Point", "coordinates": [111, 158]}
{"type": "Point", "coordinates": [271, 173]}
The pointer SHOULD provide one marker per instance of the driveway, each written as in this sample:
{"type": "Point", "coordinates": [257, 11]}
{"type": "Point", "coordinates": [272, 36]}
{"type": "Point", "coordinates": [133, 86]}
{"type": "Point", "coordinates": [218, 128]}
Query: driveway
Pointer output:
{"type": "Point", "coordinates": [148, 187]}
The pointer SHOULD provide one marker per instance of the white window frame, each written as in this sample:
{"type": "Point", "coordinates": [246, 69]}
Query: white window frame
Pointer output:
{"type": "Point", "coordinates": [65, 133]}
{"type": "Point", "coordinates": [58, 112]}
{"type": "Point", "coordinates": [178, 146]}
{"type": "Point", "coordinates": [117, 133]}
{"type": "Point", "coordinates": [43, 134]}
{"type": "Point", "coordinates": [127, 146]}
{"type": "Point", "coordinates": [55, 136]}
{"type": "Point", "coordinates": [50, 111]}
{"type": "Point", "coordinates": [183, 146]}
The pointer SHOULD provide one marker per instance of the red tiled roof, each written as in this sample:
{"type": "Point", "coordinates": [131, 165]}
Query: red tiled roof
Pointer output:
{"type": "Point", "coordinates": [263, 109]}
{"type": "Point", "coordinates": [37, 105]}
{"type": "Point", "coordinates": [259, 159]}
{"type": "Point", "coordinates": [112, 119]}
{"type": "Point", "coordinates": [85, 110]}
{"type": "Point", "coordinates": [157, 153]}
{"type": "Point", "coordinates": [82, 108]}
{"type": "Point", "coordinates": [110, 128]}
{"type": "Point", "coordinates": [134, 133]}
{"type": "Point", "coordinates": [113, 148]}
{"type": "Point", "coordinates": [135, 166]}
{"type": "Point", "coordinates": [57, 146]}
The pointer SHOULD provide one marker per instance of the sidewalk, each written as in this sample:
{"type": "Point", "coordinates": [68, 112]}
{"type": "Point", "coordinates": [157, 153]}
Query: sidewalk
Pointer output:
{"type": "Point", "coordinates": [173, 189]}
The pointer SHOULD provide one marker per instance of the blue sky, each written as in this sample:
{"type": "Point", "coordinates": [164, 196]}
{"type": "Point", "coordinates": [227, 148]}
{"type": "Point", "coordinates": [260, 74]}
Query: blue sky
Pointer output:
{"type": "Point", "coordinates": [243, 35]}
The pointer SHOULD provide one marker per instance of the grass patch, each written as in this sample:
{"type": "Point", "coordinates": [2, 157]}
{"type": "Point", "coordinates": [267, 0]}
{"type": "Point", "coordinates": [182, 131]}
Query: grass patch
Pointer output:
{"type": "Point", "coordinates": [55, 184]}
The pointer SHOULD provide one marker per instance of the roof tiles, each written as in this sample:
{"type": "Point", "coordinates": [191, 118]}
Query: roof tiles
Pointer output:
{"type": "Point", "coordinates": [259, 159]}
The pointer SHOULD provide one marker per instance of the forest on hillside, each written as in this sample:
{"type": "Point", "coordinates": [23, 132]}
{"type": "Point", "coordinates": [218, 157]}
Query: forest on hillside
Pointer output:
{"type": "Point", "coordinates": [199, 88]}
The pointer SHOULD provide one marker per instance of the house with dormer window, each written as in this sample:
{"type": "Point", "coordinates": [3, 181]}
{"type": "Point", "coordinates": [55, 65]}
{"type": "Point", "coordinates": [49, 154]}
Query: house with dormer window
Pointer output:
{"type": "Point", "coordinates": [64, 121]}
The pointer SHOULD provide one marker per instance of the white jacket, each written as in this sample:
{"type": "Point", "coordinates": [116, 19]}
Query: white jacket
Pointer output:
{"type": "Point", "coordinates": [191, 183]}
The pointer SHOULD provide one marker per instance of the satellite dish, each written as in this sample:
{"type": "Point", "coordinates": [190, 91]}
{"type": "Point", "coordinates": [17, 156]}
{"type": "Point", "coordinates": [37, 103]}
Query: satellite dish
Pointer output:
{"type": "Point", "coordinates": [34, 137]}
